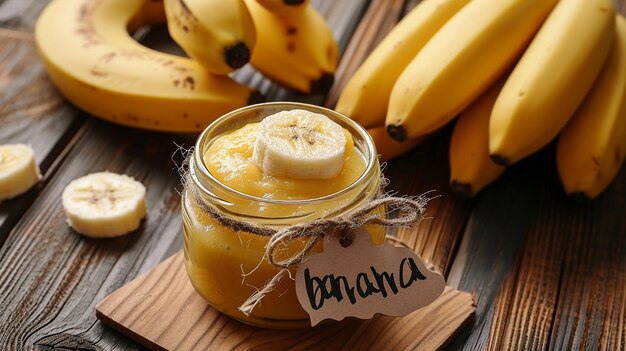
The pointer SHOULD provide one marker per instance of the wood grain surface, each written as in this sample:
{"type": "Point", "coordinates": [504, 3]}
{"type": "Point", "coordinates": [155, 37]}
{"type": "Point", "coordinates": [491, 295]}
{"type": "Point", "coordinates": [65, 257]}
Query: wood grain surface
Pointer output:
{"type": "Point", "coordinates": [161, 309]}
{"type": "Point", "coordinates": [31, 112]}
{"type": "Point", "coordinates": [547, 272]}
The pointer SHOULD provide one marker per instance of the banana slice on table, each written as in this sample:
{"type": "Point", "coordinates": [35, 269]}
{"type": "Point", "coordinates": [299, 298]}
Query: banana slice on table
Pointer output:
{"type": "Point", "coordinates": [300, 144]}
{"type": "Point", "coordinates": [18, 170]}
{"type": "Point", "coordinates": [104, 204]}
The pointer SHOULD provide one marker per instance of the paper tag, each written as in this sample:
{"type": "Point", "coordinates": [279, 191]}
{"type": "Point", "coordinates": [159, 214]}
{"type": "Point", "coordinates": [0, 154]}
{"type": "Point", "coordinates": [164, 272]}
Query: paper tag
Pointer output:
{"type": "Point", "coordinates": [364, 279]}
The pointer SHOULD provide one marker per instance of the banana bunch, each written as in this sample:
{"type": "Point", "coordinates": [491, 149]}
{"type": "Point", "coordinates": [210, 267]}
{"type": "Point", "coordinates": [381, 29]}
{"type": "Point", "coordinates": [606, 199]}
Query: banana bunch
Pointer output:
{"type": "Point", "coordinates": [366, 95]}
{"type": "Point", "coordinates": [295, 46]}
{"type": "Point", "coordinates": [90, 55]}
{"type": "Point", "coordinates": [452, 70]}
{"type": "Point", "coordinates": [560, 82]}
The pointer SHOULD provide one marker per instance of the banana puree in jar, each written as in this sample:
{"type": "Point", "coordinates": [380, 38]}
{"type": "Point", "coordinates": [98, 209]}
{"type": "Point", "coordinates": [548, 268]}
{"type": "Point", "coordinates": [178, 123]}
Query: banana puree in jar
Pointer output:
{"type": "Point", "coordinates": [274, 164]}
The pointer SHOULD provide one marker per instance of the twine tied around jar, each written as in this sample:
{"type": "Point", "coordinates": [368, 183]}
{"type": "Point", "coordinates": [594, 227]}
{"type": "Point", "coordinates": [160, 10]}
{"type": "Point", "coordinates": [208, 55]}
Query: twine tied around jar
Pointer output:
{"type": "Point", "coordinates": [409, 211]}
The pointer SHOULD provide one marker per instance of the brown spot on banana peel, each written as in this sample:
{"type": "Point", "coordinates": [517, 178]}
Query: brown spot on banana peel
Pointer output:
{"type": "Point", "coordinates": [85, 28]}
{"type": "Point", "coordinates": [95, 71]}
{"type": "Point", "coordinates": [462, 190]}
{"type": "Point", "coordinates": [189, 82]}
{"type": "Point", "coordinates": [292, 30]}
{"type": "Point", "coordinates": [291, 46]}
{"type": "Point", "coordinates": [108, 57]}
{"type": "Point", "coordinates": [237, 55]}
{"type": "Point", "coordinates": [596, 161]}
{"type": "Point", "coordinates": [499, 160]}
{"type": "Point", "coordinates": [323, 84]}
{"type": "Point", "coordinates": [397, 132]}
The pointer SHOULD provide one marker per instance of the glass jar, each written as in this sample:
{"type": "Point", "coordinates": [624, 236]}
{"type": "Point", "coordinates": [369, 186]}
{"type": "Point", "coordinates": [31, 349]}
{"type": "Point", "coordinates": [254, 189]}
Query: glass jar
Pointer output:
{"type": "Point", "coordinates": [226, 266]}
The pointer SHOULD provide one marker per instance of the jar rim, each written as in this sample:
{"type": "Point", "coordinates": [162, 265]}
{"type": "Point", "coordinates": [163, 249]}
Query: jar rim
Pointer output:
{"type": "Point", "coordinates": [203, 178]}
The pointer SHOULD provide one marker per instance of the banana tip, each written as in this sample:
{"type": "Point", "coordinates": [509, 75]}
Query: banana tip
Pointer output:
{"type": "Point", "coordinates": [500, 160]}
{"type": "Point", "coordinates": [323, 84]}
{"type": "Point", "coordinates": [237, 55]}
{"type": "Point", "coordinates": [580, 196]}
{"type": "Point", "coordinates": [293, 2]}
{"type": "Point", "coordinates": [256, 98]}
{"type": "Point", "coordinates": [396, 132]}
{"type": "Point", "coordinates": [462, 190]}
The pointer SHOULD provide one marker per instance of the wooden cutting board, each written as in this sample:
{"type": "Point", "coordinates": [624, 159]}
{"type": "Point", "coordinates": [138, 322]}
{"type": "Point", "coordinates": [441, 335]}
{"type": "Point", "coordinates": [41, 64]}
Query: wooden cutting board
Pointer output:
{"type": "Point", "coordinates": [161, 310]}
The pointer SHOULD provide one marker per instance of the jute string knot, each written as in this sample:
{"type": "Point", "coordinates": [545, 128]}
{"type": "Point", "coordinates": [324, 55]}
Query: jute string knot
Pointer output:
{"type": "Point", "coordinates": [409, 212]}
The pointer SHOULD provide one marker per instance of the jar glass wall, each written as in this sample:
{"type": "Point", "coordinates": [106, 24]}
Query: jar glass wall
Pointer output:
{"type": "Point", "coordinates": [227, 266]}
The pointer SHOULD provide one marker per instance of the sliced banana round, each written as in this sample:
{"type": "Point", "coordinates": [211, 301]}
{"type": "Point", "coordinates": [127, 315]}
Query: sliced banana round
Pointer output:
{"type": "Point", "coordinates": [18, 170]}
{"type": "Point", "coordinates": [300, 144]}
{"type": "Point", "coordinates": [105, 204]}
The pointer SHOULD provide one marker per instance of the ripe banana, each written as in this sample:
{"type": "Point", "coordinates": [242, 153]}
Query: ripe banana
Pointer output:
{"type": "Point", "coordinates": [300, 144]}
{"type": "Point", "coordinates": [388, 148]}
{"type": "Point", "coordinates": [217, 33]}
{"type": "Point", "coordinates": [366, 95]}
{"type": "Point", "coordinates": [104, 204]}
{"type": "Point", "coordinates": [298, 51]}
{"type": "Point", "coordinates": [471, 168]}
{"type": "Point", "coordinates": [551, 79]}
{"type": "Point", "coordinates": [284, 7]}
{"type": "Point", "coordinates": [591, 148]}
{"type": "Point", "coordinates": [460, 62]}
{"type": "Point", "coordinates": [89, 55]}
{"type": "Point", "coordinates": [18, 170]}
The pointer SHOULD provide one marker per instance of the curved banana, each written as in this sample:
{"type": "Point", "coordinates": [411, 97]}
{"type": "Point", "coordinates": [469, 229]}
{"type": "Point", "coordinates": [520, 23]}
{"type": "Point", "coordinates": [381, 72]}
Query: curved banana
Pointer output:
{"type": "Point", "coordinates": [219, 34]}
{"type": "Point", "coordinates": [591, 148]}
{"type": "Point", "coordinates": [284, 7]}
{"type": "Point", "coordinates": [298, 51]}
{"type": "Point", "coordinates": [551, 79]}
{"type": "Point", "coordinates": [460, 62]}
{"type": "Point", "coordinates": [471, 169]}
{"type": "Point", "coordinates": [388, 148]}
{"type": "Point", "coordinates": [90, 57]}
{"type": "Point", "coordinates": [366, 95]}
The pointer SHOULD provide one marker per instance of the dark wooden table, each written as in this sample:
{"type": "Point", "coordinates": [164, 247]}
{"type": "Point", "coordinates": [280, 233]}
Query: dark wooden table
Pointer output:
{"type": "Point", "coordinates": [547, 272]}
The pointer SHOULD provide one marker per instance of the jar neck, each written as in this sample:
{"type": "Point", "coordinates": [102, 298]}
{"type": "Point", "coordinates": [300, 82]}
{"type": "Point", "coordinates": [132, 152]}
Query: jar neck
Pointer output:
{"type": "Point", "coordinates": [211, 191]}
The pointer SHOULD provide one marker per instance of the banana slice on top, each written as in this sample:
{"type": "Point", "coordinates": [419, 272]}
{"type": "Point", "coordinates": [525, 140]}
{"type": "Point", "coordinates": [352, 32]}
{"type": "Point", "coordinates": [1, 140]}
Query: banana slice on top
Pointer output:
{"type": "Point", "coordinates": [18, 170]}
{"type": "Point", "coordinates": [104, 204]}
{"type": "Point", "coordinates": [300, 144]}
